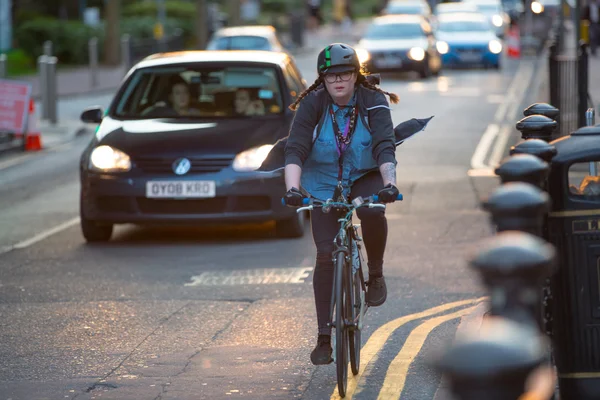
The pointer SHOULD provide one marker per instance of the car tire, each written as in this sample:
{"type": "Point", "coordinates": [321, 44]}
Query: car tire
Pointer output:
{"type": "Point", "coordinates": [496, 66]}
{"type": "Point", "coordinates": [292, 227]}
{"type": "Point", "coordinates": [425, 71]}
{"type": "Point", "coordinates": [94, 231]}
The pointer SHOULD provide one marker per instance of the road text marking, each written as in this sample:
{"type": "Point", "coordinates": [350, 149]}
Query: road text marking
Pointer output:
{"type": "Point", "coordinates": [261, 276]}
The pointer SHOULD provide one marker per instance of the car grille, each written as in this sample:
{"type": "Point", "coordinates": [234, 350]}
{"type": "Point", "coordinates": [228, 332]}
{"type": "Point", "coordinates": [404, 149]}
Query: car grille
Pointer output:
{"type": "Point", "coordinates": [469, 49]}
{"type": "Point", "coordinates": [215, 205]}
{"type": "Point", "coordinates": [393, 53]}
{"type": "Point", "coordinates": [163, 165]}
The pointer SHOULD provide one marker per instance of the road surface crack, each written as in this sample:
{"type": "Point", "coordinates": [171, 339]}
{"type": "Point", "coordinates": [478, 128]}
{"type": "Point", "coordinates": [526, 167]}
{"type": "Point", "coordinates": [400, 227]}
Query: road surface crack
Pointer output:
{"type": "Point", "coordinates": [212, 339]}
{"type": "Point", "coordinates": [102, 380]}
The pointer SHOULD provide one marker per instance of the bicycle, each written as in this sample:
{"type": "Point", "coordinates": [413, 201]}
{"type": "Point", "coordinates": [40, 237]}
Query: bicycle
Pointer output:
{"type": "Point", "coordinates": [349, 286]}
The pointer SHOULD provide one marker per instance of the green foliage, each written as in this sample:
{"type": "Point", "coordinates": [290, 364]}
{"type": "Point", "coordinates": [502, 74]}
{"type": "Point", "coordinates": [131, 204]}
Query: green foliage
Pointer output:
{"type": "Point", "coordinates": [174, 9]}
{"type": "Point", "coordinates": [69, 39]}
{"type": "Point", "coordinates": [19, 63]}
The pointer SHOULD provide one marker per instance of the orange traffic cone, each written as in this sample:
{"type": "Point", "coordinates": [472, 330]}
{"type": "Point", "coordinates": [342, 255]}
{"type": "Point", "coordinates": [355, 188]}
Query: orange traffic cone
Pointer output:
{"type": "Point", "coordinates": [513, 42]}
{"type": "Point", "coordinates": [33, 136]}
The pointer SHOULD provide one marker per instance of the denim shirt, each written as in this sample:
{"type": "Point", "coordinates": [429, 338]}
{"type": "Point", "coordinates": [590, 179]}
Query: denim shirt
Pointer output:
{"type": "Point", "coordinates": [320, 170]}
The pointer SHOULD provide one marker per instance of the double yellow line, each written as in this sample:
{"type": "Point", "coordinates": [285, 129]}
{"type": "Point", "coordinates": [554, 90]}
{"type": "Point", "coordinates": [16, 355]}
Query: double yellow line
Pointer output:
{"type": "Point", "coordinates": [396, 374]}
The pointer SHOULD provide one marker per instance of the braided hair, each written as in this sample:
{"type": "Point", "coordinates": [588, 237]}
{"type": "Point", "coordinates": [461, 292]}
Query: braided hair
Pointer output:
{"type": "Point", "coordinates": [361, 80]}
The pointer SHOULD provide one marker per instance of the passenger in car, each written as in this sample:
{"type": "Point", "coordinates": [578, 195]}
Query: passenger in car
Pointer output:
{"type": "Point", "coordinates": [244, 104]}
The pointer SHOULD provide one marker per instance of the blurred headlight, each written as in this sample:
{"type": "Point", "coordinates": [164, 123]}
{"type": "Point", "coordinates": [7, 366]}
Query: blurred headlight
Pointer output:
{"type": "Point", "coordinates": [363, 55]}
{"type": "Point", "coordinates": [495, 46]}
{"type": "Point", "coordinates": [537, 7]}
{"type": "Point", "coordinates": [497, 20]}
{"type": "Point", "coordinates": [108, 159]}
{"type": "Point", "coordinates": [417, 53]}
{"type": "Point", "coordinates": [250, 160]}
{"type": "Point", "coordinates": [442, 47]}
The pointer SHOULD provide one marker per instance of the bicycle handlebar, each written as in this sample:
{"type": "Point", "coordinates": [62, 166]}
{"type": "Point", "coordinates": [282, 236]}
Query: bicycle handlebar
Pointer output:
{"type": "Point", "coordinates": [374, 199]}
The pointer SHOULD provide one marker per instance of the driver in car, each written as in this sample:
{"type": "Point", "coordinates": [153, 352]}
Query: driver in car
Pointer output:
{"type": "Point", "coordinates": [179, 99]}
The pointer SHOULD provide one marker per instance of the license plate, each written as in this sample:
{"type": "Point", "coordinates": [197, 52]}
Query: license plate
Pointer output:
{"type": "Point", "coordinates": [470, 57]}
{"type": "Point", "coordinates": [180, 189]}
{"type": "Point", "coordinates": [388, 62]}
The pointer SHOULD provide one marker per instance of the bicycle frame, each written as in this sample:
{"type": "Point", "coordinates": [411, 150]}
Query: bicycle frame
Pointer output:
{"type": "Point", "coordinates": [343, 244]}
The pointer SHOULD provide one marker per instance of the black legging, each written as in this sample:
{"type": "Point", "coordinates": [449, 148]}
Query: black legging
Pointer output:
{"type": "Point", "coordinates": [324, 229]}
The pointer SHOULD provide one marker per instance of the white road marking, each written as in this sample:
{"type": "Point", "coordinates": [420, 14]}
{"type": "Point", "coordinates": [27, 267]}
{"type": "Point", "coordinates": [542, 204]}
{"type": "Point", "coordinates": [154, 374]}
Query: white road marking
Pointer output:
{"type": "Point", "coordinates": [496, 136]}
{"type": "Point", "coordinates": [512, 113]}
{"type": "Point", "coordinates": [260, 276]}
{"type": "Point", "coordinates": [41, 236]}
{"type": "Point", "coordinates": [499, 146]}
{"type": "Point", "coordinates": [478, 159]}
{"type": "Point", "coordinates": [14, 161]}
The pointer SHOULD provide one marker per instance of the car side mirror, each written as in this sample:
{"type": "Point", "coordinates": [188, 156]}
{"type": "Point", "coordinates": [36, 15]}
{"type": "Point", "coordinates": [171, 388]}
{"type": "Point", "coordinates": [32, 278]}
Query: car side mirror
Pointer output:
{"type": "Point", "coordinates": [92, 115]}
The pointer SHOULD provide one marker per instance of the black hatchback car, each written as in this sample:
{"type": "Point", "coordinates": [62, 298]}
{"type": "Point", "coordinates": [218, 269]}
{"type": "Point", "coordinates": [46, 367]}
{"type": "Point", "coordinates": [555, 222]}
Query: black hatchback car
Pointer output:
{"type": "Point", "coordinates": [182, 140]}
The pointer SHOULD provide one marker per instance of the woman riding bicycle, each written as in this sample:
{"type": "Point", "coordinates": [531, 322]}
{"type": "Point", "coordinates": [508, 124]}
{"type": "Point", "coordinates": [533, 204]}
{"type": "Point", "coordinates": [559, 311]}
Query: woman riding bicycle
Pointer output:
{"type": "Point", "coordinates": [352, 155]}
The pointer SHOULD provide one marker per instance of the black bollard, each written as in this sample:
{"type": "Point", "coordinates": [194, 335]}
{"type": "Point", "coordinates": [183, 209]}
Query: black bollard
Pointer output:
{"type": "Point", "coordinates": [513, 265]}
{"type": "Point", "coordinates": [494, 363]}
{"type": "Point", "coordinates": [537, 147]}
{"type": "Point", "coordinates": [518, 206]}
{"type": "Point", "coordinates": [544, 109]}
{"type": "Point", "coordinates": [524, 168]}
{"type": "Point", "coordinates": [537, 127]}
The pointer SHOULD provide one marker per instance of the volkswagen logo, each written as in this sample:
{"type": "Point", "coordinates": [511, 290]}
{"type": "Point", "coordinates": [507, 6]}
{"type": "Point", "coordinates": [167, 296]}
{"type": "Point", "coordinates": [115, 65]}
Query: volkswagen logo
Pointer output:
{"type": "Point", "coordinates": [181, 166]}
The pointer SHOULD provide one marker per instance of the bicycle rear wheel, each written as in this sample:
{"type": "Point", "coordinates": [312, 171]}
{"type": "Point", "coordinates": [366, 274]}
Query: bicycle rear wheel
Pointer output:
{"type": "Point", "coordinates": [341, 333]}
{"type": "Point", "coordinates": [355, 290]}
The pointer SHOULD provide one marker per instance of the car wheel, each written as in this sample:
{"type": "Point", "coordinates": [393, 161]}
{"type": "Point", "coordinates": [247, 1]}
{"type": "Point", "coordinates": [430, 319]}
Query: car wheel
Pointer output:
{"type": "Point", "coordinates": [291, 227]}
{"type": "Point", "coordinates": [425, 71]}
{"type": "Point", "coordinates": [496, 66]}
{"type": "Point", "coordinates": [94, 231]}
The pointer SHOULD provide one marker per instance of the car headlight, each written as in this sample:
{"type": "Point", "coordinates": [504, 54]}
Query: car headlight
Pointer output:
{"type": "Point", "coordinates": [442, 47]}
{"type": "Point", "coordinates": [363, 55]}
{"type": "Point", "coordinates": [250, 160]}
{"type": "Point", "coordinates": [497, 20]}
{"type": "Point", "coordinates": [495, 46]}
{"type": "Point", "coordinates": [417, 53]}
{"type": "Point", "coordinates": [537, 7]}
{"type": "Point", "coordinates": [107, 159]}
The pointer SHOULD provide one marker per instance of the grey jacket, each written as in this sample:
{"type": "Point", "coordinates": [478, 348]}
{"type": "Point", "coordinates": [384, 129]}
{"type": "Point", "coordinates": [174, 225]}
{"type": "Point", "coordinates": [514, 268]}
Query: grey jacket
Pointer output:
{"type": "Point", "coordinates": [373, 109]}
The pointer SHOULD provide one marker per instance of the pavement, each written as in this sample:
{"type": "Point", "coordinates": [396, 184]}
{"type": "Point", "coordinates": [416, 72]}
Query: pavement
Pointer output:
{"type": "Point", "coordinates": [136, 319]}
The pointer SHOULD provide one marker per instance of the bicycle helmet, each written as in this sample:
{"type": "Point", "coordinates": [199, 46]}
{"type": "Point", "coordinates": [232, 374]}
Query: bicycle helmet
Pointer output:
{"type": "Point", "coordinates": [337, 57]}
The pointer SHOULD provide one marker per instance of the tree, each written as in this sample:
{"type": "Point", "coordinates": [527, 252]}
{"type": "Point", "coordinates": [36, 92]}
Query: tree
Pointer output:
{"type": "Point", "coordinates": [112, 43]}
{"type": "Point", "coordinates": [201, 22]}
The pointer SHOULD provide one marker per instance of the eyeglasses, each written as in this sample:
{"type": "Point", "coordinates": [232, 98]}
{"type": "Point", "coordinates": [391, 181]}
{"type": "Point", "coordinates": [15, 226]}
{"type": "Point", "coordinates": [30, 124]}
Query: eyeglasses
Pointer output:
{"type": "Point", "coordinates": [344, 76]}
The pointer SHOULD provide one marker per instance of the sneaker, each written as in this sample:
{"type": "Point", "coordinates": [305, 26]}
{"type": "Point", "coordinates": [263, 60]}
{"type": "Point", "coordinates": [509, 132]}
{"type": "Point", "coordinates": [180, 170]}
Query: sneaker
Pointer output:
{"type": "Point", "coordinates": [376, 291]}
{"type": "Point", "coordinates": [321, 354]}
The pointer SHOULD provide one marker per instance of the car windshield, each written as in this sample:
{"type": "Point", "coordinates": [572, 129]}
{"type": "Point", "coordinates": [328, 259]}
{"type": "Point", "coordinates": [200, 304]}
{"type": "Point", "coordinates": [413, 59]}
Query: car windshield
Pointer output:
{"type": "Point", "coordinates": [198, 92]}
{"type": "Point", "coordinates": [394, 31]}
{"type": "Point", "coordinates": [489, 8]}
{"type": "Point", "coordinates": [463, 26]}
{"type": "Point", "coordinates": [240, 43]}
{"type": "Point", "coordinates": [405, 9]}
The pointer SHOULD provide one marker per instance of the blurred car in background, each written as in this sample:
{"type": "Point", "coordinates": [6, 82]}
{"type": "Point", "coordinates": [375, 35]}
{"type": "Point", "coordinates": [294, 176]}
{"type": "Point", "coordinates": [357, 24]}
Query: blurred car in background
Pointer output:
{"type": "Point", "coordinates": [400, 43]}
{"type": "Point", "coordinates": [263, 37]}
{"type": "Point", "coordinates": [495, 13]}
{"type": "Point", "coordinates": [182, 139]}
{"type": "Point", "coordinates": [410, 7]}
{"type": "Point", "coordinates": [445, 8]}
{"type": "Point", "coordinates": [468, 39]}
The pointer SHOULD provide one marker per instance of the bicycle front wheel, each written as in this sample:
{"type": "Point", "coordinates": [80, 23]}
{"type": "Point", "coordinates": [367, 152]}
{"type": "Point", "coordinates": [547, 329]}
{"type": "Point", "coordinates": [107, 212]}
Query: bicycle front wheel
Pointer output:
{"type": "Point", "coordinates": [355, 300]}
{"type": "Point", "coordinates": [341, 333]}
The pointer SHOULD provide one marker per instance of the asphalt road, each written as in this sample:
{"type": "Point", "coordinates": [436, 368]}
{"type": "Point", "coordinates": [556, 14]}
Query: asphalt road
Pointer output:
{"type": "Point", "coordinates": [136, 318]}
